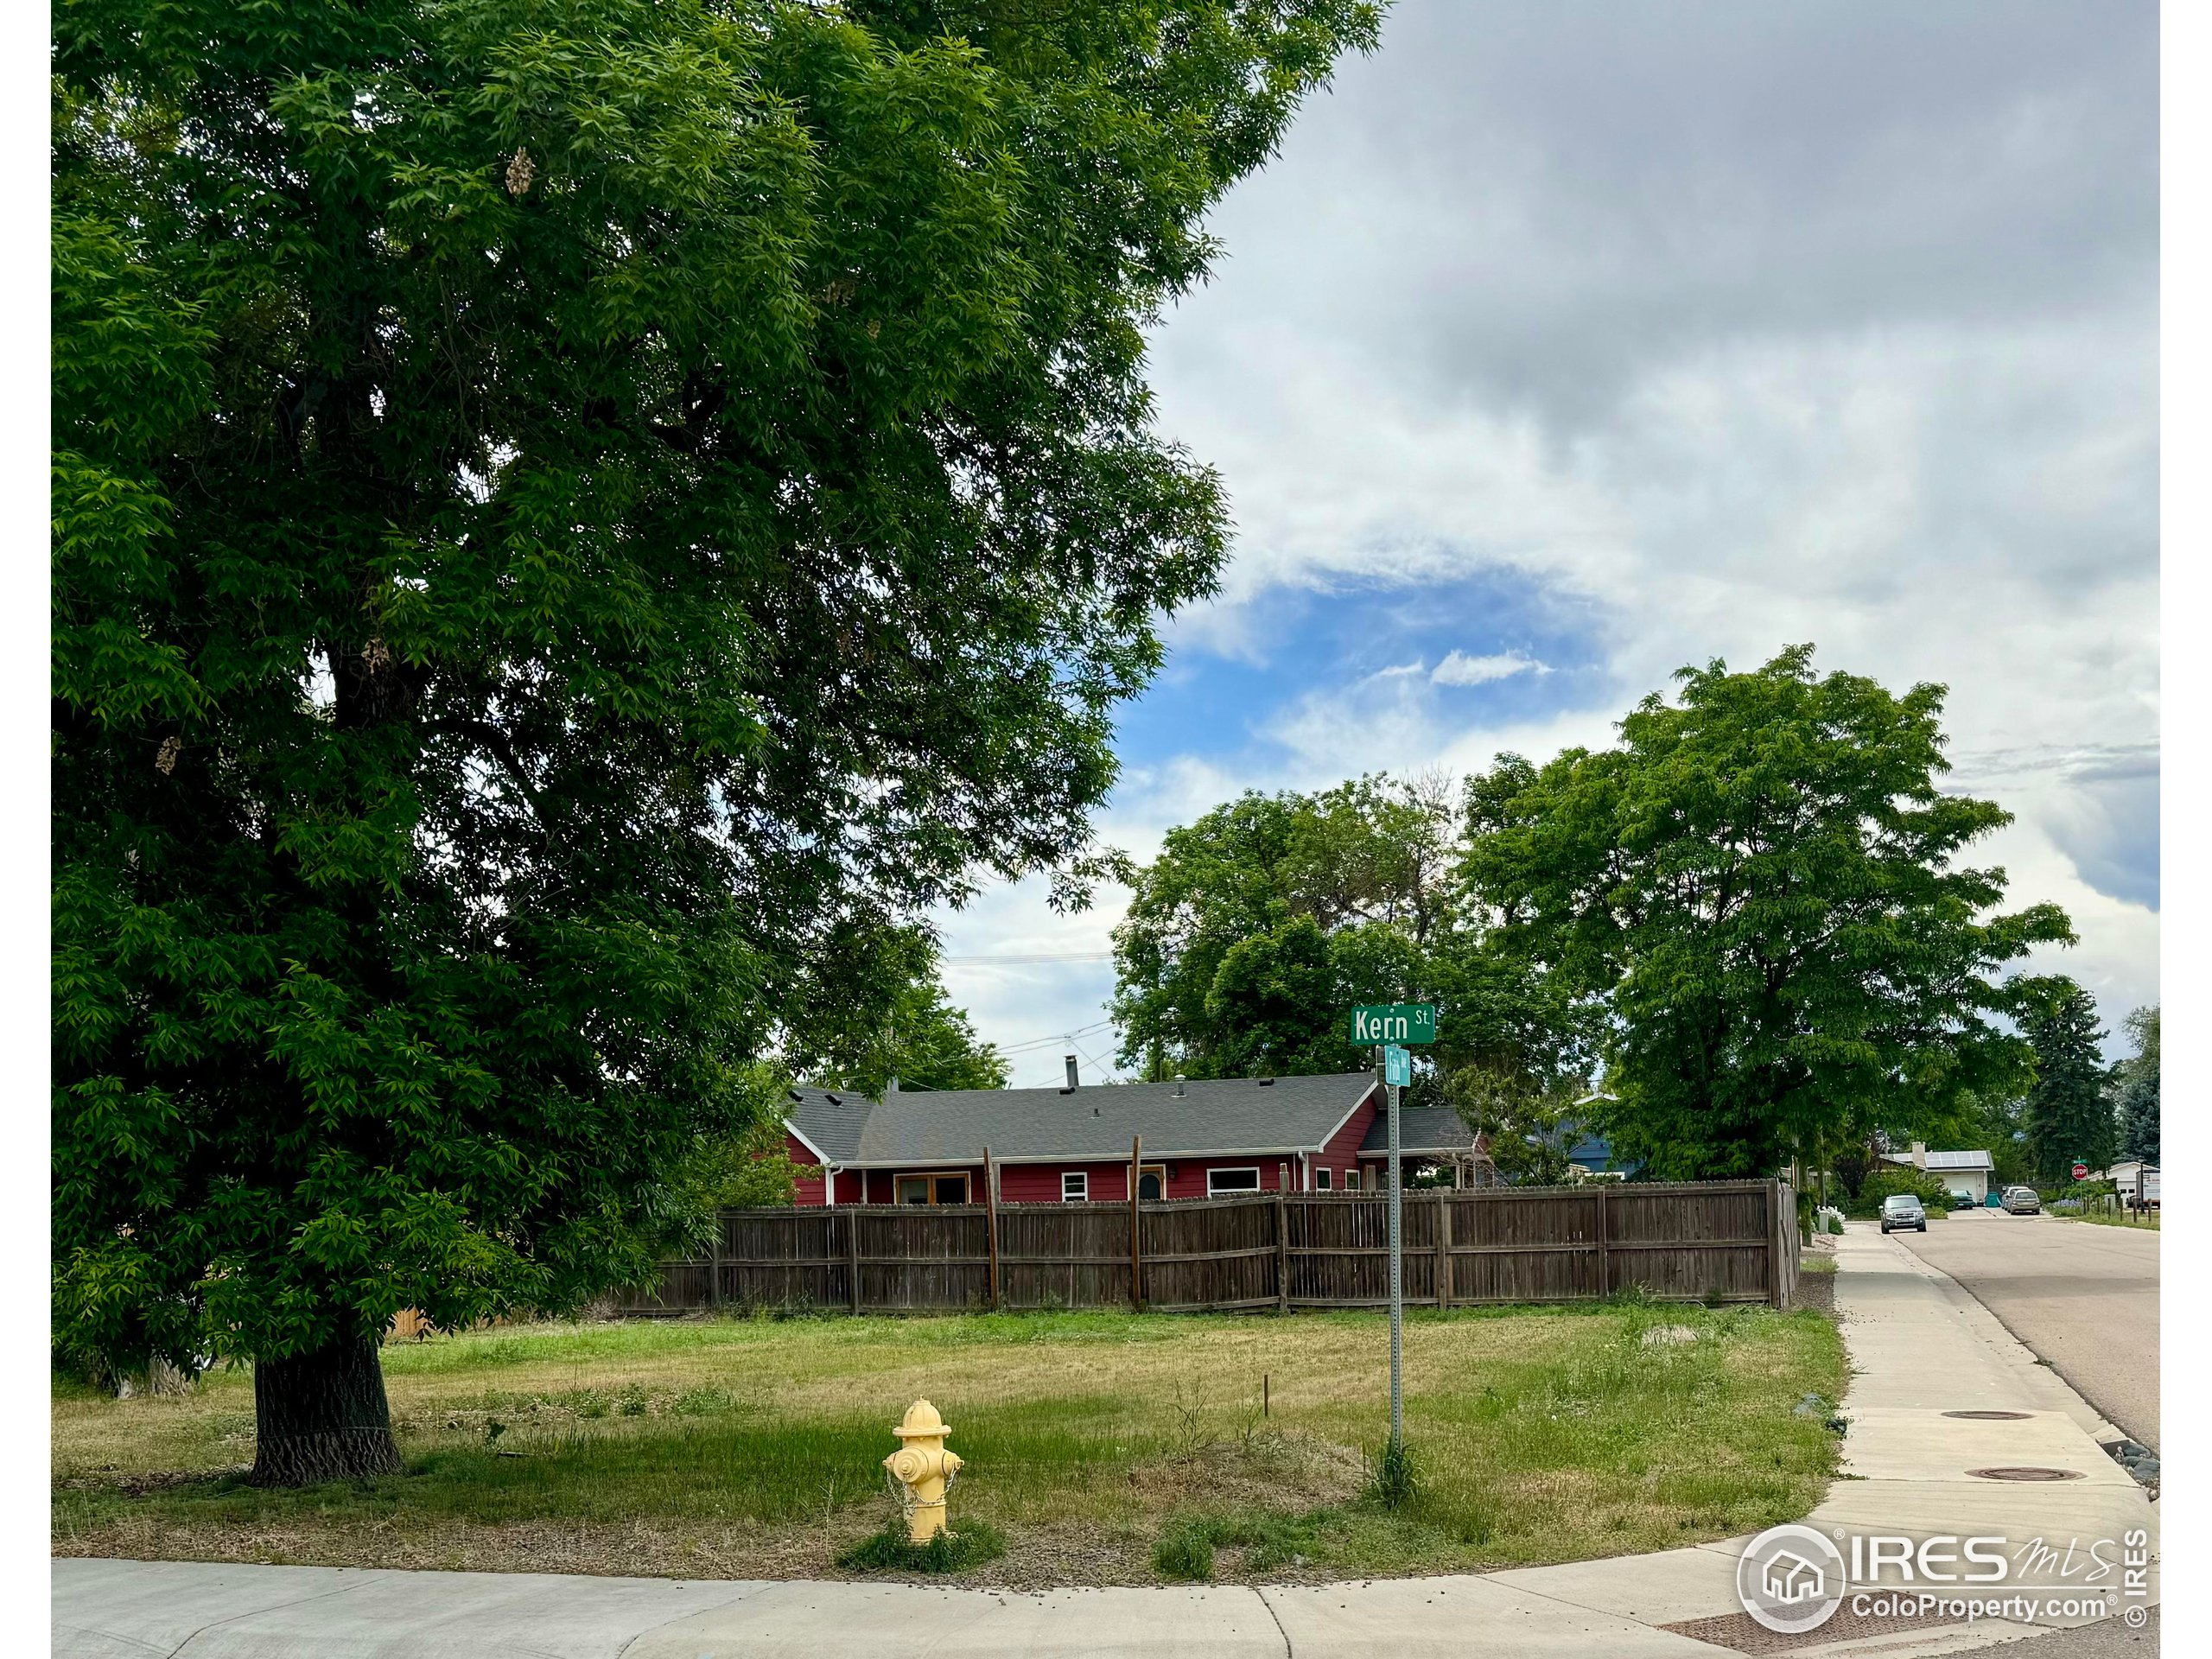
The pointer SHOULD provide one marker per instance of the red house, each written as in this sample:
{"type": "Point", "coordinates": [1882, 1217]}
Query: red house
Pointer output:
{"type": "Point", "coordinates": [1072, 1144]}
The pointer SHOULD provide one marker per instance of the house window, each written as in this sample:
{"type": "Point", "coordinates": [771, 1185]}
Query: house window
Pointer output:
{"type": "Point", "coordinates": [1221, 1182]}
{"type": "Point", "coordinates": [1075, 1186]}
{"type": "Point", "coordinates": [1321, 1179]}
{"type": "Point", "coordinates": [1151, 1182]}
{"type": "Point", "coordinates": [1351, 1181]}
{"type": "Point", "coordinates": [933, 1189]}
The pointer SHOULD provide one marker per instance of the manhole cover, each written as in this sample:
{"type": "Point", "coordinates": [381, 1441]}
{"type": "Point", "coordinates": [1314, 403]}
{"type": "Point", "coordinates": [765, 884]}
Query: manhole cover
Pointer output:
{"type": "Point", "coordinates": [2027, 1474]}
{"type": "Point", "coordinates": [1990, 1416]}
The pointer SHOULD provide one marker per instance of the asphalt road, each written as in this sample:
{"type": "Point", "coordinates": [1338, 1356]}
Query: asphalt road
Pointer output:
{"type": "Point", "coordinates": [2084, 1298]}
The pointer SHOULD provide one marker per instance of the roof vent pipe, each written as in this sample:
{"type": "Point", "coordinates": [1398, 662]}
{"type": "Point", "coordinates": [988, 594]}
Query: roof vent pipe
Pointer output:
{"type": "Point", "coordinates": [1073, 1080]}
{"type": "Point", "coordinates": [1178, 1085]}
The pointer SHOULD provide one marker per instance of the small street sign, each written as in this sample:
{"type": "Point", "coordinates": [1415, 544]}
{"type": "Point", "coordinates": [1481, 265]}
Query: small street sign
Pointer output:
{"type": "Point", "coordinates": [1397, 1066]}
{"type": "Point", "coordinates": [2080, 1171]}
{"type": "Point", "coordinates": [1395, 1023]}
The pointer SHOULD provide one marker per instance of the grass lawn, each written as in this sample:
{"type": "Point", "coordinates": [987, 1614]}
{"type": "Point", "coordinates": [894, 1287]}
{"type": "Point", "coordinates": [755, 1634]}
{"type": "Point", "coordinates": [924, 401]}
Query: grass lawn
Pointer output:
{"type": "Point", "coordinates": [1108, 1448]}
{"type": "Point", "coordinates": [2114, 1219]}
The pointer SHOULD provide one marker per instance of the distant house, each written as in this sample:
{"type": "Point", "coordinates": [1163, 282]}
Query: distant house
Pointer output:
{"type": "Point", "coordinates": [1207, 1139]}
{"type": "Point", "coordinates": [1959, 1171]}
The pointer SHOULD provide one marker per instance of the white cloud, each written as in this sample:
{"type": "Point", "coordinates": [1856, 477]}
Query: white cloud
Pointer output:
{"type": "Point", "coordinates": [1460, 669]}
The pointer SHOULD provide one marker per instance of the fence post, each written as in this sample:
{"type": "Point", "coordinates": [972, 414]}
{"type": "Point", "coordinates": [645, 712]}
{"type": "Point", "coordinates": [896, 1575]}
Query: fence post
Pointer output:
{"type": "Point", "coordinates": [1282, 1254]}
{"type": "Point", "coordinates": [1136, 1249]}
{"type": "Point", "coordinates": [991, 1220]}
{"type": "Point", "coordinates": [1441, 1274]}
{"type": "Point", "coordinates": [715, 1264]}
{"type": "Point", "coordinates": [1605, 1245]}
{"type": "Point", "coordinates": [853, 1255]}
{"type": "Point", "coordinates": [1777, 1245]}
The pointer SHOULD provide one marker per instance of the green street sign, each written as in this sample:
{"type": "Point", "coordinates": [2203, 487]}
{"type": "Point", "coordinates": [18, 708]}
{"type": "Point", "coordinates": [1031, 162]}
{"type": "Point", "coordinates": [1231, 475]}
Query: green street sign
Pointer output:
{"type": "Point", "coordinates": [1395, 1023]}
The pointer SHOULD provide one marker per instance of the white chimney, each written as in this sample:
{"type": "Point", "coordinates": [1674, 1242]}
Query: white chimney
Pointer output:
{"type": "Point", "coordinates": [1920, 1154]}
{"type": "Point", "coordinates": [1073, 1080]}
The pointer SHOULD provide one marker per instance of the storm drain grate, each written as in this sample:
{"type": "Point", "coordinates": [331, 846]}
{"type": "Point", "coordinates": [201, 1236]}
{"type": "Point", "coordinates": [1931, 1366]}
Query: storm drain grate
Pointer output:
{"type": "Point", "coordinates": [2027, 1474]}
{"type": "Point", "coordinates": [1990, 1416]}
{"type": "Point", "coordinates": [1746, 1635]}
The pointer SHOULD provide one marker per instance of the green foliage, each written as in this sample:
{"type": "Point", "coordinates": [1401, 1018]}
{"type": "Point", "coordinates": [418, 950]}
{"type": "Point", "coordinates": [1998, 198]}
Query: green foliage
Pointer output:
{"type": "Point", "coordinates": [1526, 1128]}
{"type": "Point", "coordinates": [2068, 1114]}
{"type": "Point", "coordinates": [1393, 1480]}
{"type": "Point", "coordinates": [906, 1027]}
{"type": "Point", "coordinates": [2137, 1095]}
{"type": "Point", "coordinates": [751, 1171]}
{"type": "Point", "coordinates": [1257, 927]}
{"type": "Point", "coordinates": [1269, 1539]}
{"type": "Point", "coordinates": [954, 1550]}
{"type": "Point", "coordinates": [566, 513]}
{"type": "Point", "coordinates": [1758, 890]}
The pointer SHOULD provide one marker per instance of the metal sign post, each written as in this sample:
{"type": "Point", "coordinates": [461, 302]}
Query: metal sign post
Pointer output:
{"type": "Point", "coordinates": [1397, 1261]}
{"type": "Point", "coordinates": [1387, 1026]}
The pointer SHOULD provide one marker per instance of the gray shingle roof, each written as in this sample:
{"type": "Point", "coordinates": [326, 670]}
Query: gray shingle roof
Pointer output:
{"type": "Point", "coordinates": [1425, 1129]}
{"type": "Point", "coordinates": [1094, 1123]}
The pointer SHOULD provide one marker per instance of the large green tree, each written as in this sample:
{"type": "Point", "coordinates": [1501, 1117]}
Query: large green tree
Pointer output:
{"type": "Point", "coordinates": [1758, 893]}
{"type": "Point", "coordinates": [563, 510]}
{"type": "Point", "coordinates": [2068, 1114]}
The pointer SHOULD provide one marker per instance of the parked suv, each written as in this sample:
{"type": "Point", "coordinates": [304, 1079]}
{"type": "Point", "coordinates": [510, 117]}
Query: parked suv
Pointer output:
{"type": "Point", "coordinates": [1902, 1209]}
{"type": "Point", "coordinates": [2022, 1201]}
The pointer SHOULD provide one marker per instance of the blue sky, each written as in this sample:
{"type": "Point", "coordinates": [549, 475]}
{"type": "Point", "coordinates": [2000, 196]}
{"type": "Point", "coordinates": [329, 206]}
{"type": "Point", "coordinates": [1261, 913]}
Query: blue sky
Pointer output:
{"type": "Point", "coordinates": [1565, 344]}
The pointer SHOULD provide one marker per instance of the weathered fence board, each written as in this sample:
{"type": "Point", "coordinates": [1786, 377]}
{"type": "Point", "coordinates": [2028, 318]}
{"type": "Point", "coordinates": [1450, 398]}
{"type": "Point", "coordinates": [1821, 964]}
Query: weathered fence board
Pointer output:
{"type": "Point", "coordinates": [1726, 1241]}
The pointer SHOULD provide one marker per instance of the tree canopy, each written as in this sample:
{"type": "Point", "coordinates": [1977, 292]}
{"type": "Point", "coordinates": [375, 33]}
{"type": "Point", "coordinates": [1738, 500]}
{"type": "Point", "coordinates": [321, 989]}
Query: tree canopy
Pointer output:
{"type": "Point", "coordinates": [907, 1028]}
{"type": "Point", "coordinates": [565, 510]}
{"type": "Point", "coordinates": [1758, 891]}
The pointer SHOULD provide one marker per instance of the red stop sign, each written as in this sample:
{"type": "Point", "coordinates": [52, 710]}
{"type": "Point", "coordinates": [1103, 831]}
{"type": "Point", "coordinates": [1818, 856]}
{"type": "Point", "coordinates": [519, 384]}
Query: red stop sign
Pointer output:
{"type": "Point", "coordinates": [2080, 1171]}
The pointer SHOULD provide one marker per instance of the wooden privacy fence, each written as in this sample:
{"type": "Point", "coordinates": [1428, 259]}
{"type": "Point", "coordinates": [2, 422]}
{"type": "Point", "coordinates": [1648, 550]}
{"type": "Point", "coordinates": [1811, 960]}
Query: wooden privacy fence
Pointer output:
{"type": "Point", "coordinates": [1726, 1241]}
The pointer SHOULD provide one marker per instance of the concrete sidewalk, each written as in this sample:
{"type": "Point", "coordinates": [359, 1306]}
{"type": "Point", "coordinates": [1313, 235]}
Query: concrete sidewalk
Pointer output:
{"type": "Point", "coordinates": [1920, 1346]}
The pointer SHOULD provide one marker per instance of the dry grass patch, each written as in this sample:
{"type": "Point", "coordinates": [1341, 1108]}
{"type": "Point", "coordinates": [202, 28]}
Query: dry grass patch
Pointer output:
{"type": "Point", "coordinates": [751, 1446]}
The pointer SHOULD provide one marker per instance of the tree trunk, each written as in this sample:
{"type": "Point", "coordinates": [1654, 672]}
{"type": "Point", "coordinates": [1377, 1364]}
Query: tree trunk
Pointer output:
{"type": "Point", "coordinates": [322, 1416]}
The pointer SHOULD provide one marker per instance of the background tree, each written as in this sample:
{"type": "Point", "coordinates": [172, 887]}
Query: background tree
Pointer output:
{"type": "Point", "coordinates": [2136, 1099]}
{"type": "Point", "coordinates": [2068, 1113]}
{"type": "Point", "coordinates": [563, 510]}
{"type": "Point", "coordinates": [911, 1030]}
{"type": "Point", "coordinates": [1756, 895]}
{"type": "Point", "coordinates": [1256, 926]}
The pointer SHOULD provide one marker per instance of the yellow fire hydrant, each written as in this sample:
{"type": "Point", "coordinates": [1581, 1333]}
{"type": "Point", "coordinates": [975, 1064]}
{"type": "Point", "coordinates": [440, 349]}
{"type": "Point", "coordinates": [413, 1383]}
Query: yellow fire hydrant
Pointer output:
{"type": "Point", "coordinates": [924, 1468]}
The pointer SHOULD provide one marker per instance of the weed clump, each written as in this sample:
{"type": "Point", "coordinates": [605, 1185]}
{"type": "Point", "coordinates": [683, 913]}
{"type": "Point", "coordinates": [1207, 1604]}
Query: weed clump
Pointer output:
{"type": "Point", "coordinates": [1185, 1552]}
{"type": "Point", "coordinates": [1393, 1482]}
{"type": "Point", "coordinates": [954, 1550]}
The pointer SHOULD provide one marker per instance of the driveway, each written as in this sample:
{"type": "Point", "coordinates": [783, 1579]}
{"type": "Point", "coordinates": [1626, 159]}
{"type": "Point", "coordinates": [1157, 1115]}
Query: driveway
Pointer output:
{"type": "Point", "coordinates": [2084, 1298]}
